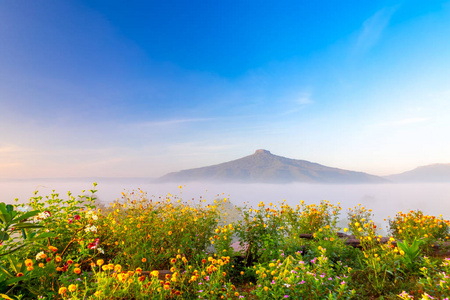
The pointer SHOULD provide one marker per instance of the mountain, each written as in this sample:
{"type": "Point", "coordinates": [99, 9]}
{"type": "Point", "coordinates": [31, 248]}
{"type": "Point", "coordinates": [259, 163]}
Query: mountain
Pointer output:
{"type": "Point", "coordinates": [262, 166]}
{"type": "Point", "coordinates": [429, 173]}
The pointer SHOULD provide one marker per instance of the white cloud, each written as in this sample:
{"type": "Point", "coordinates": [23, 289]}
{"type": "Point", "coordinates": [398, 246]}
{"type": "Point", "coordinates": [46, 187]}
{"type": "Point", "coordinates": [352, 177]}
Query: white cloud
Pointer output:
{"type": "Point", "coordinates": [372, 30]}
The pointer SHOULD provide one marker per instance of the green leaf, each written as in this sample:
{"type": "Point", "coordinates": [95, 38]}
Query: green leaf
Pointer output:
{"type": "Point", "coordinates": [13, 250]}
{"type": "Point", "coordinates": [5, 217]}
{"type": "Point", "coordinates": [9, 208]}
{"type": "Point", "coordinates": [4, 236]}
{"type": "Point", "coordinates": [45, 235]}
{"type": "Point", "coordinates": [27, 215]}
{"type": "Point", "coordinates": [3, 208]}
{"type": "Point", "coordinates": [26, 225]}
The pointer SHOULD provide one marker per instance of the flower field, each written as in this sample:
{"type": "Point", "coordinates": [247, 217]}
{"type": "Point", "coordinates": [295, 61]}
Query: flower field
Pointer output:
{"type": "Point", "coordinates": [71, 247]}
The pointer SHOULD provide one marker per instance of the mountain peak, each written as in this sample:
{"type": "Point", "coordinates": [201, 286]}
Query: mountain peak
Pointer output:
{"type": "Point", "coordinates": [265, 167]}
{"type": "Point", "coordinates": [262, 151]}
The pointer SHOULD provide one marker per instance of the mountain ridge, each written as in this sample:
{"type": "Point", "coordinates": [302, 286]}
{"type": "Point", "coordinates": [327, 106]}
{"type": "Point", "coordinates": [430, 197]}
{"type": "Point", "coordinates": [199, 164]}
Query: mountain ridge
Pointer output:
{"type": "Point", "coordinates": [264, 167]}
{"type": "Point", "coordinates": [438, 172]}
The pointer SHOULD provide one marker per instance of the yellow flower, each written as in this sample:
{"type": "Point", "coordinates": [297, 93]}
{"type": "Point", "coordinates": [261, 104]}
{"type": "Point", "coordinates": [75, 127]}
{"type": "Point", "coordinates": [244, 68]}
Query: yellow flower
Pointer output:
{"type": "Point", "coordinates": [72, 288]}
{"type": "Point", "coordinates": [100, 262]}
{"type": "Point", "coordinates": [62, 290]}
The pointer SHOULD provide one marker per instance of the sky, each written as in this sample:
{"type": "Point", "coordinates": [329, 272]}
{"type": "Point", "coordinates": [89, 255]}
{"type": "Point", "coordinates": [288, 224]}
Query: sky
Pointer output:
{"type": "Point", "coordinates": [143, 88]}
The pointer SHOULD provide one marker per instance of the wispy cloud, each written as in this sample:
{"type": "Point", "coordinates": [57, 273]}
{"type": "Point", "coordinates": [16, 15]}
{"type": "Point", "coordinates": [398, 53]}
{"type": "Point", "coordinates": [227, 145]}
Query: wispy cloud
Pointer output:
{"type": "Point", "coordinates": [402, 122]}
{"type": "Point", "coordinates": [372, 30]}
{"type": "Point", "coordinates": [305, 98]}
{"type": "Point", "coordinates": [171, 122]}
{"type": "Point", "coordinates": [297, 103]}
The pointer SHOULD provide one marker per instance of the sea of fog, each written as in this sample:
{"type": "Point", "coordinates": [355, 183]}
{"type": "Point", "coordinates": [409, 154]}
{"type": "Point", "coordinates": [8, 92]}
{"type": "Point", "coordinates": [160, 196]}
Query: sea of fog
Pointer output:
{"type": "Point", "coordinates": [384, 199]}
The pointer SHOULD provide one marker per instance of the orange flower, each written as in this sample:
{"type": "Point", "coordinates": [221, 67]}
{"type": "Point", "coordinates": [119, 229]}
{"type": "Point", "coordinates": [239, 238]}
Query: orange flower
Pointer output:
{"type": "Point", "coordinates": [62, 290]}
{"type": "Point", "coordinates": [144, 260]}
{"type": "Point", "coordinates": [28, 263]}
{"type": "Point", "coordinates": [20, 274]}
{"type": "Point", "coordinates": [58, 259]}
{"type": "Point", "coordinates": [30, 268]}
{"type": "Point", "coordinates": [69, 261]}
{"type": "Point", "coordinates": [77, 270]}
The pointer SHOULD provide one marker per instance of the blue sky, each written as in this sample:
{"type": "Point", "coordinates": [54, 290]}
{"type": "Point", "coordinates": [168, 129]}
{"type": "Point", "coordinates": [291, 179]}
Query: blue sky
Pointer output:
{"type": "Point", "coordinates": [142, 88]}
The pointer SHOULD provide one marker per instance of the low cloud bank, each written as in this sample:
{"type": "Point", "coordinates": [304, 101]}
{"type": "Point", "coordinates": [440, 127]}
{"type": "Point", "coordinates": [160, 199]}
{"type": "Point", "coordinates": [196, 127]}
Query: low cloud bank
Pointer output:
{"type": "Point", "coordinates": [384, 199]}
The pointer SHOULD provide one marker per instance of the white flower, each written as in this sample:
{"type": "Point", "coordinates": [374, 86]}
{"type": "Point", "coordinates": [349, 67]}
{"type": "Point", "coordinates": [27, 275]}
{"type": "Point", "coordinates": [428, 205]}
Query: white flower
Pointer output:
{"type": "Point", "coordinates": [93, 228]}
{"type": "Point", "coordinates": [91, 214]}
{"type": "Point", "coordinates": [100, 250]}
{"type": "Point", "coordinates": [42, 216]}
{"type": "Point", "coordinates": [39, 255]}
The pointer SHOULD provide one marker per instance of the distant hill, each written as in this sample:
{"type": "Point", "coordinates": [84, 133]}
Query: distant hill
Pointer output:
{"type": "Point", "coordinates": [429, 173]}
{"type": "Point", "coordinates": [262, 166]}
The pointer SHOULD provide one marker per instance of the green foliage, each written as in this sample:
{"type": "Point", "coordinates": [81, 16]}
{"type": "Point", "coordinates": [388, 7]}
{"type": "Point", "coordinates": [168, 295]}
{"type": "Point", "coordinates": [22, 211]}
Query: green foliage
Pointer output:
{"type": "Point", "coordinates": [415, 224]}
{"type": "Point", "coordinates": [293, 277]}
{"type": "Point", "coordinates": [69, 249]}
{"type": "Point", "coordinates": [411, 255]}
